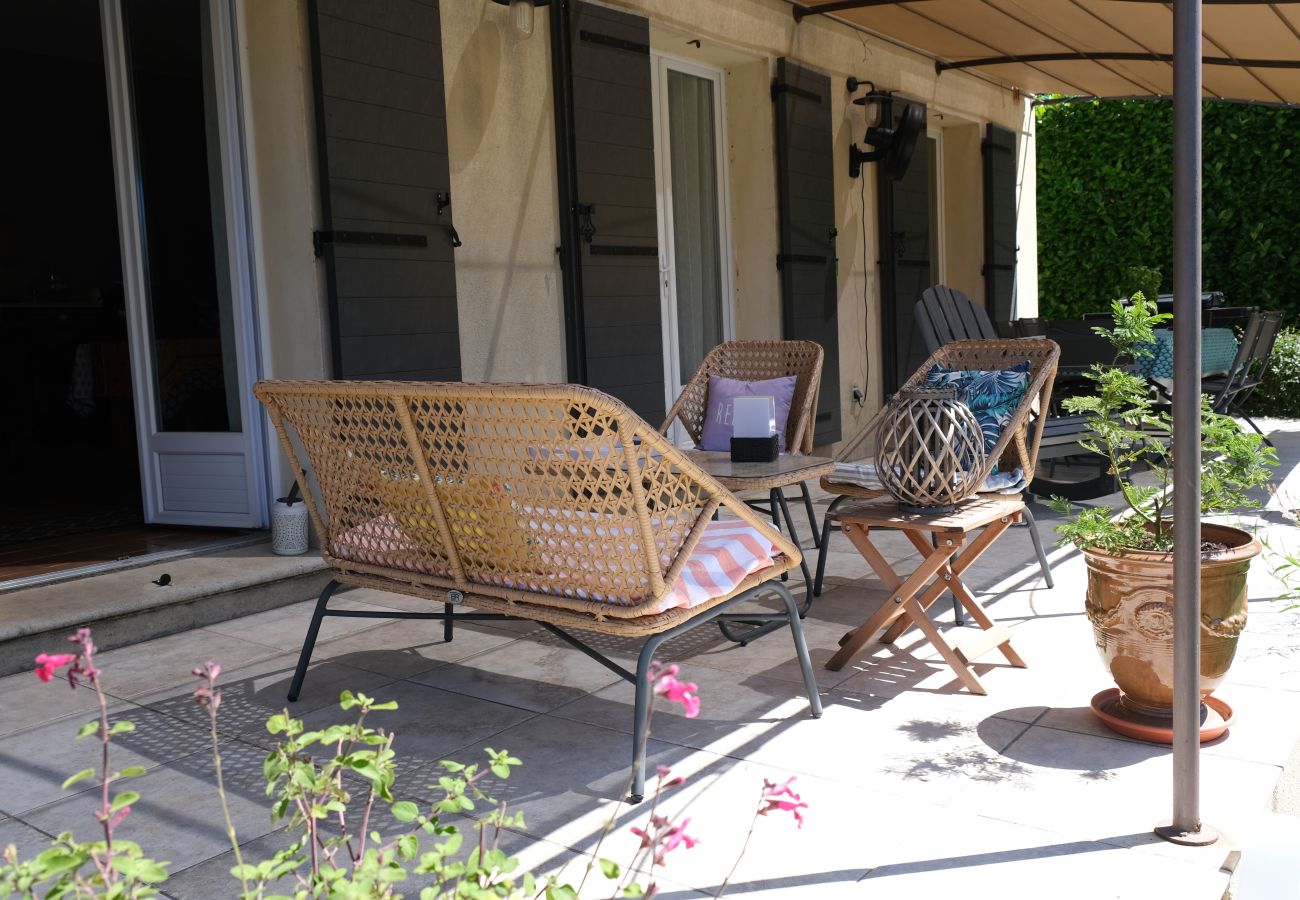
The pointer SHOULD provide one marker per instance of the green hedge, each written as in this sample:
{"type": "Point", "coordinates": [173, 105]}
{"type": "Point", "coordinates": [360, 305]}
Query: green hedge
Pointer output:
{"type": "Point", "coordinates": [1105, 172]}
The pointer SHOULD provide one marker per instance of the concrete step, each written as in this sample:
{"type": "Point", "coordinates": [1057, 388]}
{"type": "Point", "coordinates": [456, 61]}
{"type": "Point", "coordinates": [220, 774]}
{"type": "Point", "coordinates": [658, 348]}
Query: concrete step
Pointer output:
{"type": "Point", "coordinates": [125, 606]}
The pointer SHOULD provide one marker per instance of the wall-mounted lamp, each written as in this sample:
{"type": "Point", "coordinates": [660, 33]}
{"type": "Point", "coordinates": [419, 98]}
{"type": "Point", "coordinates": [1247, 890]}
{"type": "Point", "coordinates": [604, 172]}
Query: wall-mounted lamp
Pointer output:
{"type": "Point", "coordinates": [871, 101]}
{"type": "Point", "coordinates": [893, 143]}
{"type": "Point", "coordinates": [521, 14]}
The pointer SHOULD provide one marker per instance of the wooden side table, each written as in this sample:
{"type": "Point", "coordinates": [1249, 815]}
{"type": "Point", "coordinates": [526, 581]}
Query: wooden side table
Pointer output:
{"type": "Point", "coordinates": [948, 544]}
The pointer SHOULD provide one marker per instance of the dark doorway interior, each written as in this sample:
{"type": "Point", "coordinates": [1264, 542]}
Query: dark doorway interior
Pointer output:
{"type": "Point", "coordinates": [68, 459]}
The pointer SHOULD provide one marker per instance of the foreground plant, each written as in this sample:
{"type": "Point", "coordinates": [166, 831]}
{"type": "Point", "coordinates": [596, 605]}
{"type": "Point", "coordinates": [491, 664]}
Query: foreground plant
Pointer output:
{"type": "Point", "coordinates": [108, 867]}
{"type": "Point", "coordinates": [1125, 426]}
{"type": "Point", "coordinates": [329, 787]}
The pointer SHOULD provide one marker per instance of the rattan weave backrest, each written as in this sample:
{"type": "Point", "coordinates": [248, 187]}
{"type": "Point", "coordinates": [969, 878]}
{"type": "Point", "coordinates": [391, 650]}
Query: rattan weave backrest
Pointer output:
{"type": "Point", "coordinates": [1019, 442]}
{"type": "Point", "coordinates": [505, 490]}
{"type": "Point", "coordinates": [757, 361]}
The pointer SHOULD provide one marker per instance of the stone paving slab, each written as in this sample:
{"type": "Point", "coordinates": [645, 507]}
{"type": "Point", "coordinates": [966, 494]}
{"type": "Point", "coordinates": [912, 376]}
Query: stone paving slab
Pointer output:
{"type": "Point", "coordinates": [916, 788]}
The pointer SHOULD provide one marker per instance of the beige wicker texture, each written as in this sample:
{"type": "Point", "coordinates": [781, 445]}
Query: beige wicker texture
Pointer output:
{"type": "Point", "coordinates": [931, 450]}
{"type": "Point", "coordinates": [1018, 445]}
{"type": "Point", "coordinates": [756, 361]}
{"type": "Point", "coordinates": [552, 502]}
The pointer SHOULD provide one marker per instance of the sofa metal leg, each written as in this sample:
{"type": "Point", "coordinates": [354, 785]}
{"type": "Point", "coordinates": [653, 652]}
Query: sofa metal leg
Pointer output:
{"type": "Point", "coordinates": [447, 624]}
{"type": "Point", "coordinates": [824, 545]}
{"type": "Point", "coordinates": [309, 643]}
{"type": "Point", "coordinates": [641, 714]}
{"type": "Point", "coordinates": [801, 650]}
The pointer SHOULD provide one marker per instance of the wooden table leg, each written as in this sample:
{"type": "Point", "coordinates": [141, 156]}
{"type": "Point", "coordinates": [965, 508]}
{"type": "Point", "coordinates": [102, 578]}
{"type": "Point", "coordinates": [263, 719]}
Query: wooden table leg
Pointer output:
{"type": "Point", "coordinates": [949, 655]}
{"type": "Point", "coordinates": [893, 607]}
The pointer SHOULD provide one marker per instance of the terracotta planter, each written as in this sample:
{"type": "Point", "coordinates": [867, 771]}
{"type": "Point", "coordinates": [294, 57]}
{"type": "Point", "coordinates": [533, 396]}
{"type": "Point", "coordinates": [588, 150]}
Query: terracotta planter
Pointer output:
{"type": "Point", "coordinates": [1130, 603]}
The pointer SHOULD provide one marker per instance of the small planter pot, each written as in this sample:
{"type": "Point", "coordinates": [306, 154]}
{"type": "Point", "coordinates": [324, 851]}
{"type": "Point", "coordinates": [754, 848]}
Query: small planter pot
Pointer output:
{"type": "Point", "coordinates": [1130, 604]}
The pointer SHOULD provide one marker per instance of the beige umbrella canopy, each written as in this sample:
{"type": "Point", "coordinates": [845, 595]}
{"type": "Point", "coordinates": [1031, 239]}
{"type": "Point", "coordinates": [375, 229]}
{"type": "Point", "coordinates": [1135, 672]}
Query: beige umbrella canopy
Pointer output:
{"type": "Point", "coordinates": [1092, 48]}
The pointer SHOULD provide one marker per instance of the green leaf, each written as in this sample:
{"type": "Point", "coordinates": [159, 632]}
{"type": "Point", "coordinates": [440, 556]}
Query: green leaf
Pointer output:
{"type": "Point", "coordinates": [80, 776]}
{"type": "Point", "coordinates": [561, 892]}
{"type": "Point", "coordinates": [405, 811]}
{"type": "Point", "coordinates": [610, 868]}
{"type": "Point", "coordinates": [132, 772]}
{"type": "Point", "coordinates": [408, 845]}
{"type": "Point", "coordinates": [634, 890]}
{"type": "Point", "coordinates": [88, 729]}
{"type": "Point", "coordinates": [126, 798]}
{"type": "Point", "coordinates": [121, 727]}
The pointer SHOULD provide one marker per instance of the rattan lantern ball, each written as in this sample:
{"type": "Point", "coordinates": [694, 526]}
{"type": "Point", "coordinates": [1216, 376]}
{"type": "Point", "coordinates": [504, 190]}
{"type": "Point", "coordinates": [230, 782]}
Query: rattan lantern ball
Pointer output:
{"type": "Point", "coordinates": [931, 452]}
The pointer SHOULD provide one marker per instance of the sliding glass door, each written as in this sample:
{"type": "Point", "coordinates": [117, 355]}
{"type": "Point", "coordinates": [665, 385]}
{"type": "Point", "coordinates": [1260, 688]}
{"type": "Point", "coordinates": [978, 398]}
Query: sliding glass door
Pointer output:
{"type": "Point", "coordinates": [694, 257]}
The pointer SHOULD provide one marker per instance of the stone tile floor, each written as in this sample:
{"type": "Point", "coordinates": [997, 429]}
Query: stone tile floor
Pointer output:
{"type": "Point", "coordinates": [915, 787]}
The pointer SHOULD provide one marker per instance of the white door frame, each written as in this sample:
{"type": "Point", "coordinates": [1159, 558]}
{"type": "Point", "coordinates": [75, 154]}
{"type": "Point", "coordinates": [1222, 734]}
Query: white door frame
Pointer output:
{"type": "Point", "coordinates": [235, 457]}
{"type": "Point", "coordinates": [660, 64]}
{"type": "Point", "coordinates": [938, 265]}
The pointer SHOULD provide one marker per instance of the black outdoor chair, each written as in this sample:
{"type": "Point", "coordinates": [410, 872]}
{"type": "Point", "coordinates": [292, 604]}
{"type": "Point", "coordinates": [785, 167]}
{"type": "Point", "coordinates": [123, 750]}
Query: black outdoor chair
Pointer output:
{"type": "Point", "coordinates": [1229, 393]}
{"type": "Point", "coordinates": [944, 315]}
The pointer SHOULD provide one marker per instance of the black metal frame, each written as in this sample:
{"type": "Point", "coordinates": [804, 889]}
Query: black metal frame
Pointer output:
{"type": "Point", "coordinates": [776, 507]}
{"type": "Point", "coordinates": [641, 678]}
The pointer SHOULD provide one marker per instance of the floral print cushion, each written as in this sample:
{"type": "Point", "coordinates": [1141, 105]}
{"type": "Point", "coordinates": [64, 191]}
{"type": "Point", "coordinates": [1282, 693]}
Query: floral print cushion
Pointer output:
{"type": "Point", "coordinates": [992, 396]}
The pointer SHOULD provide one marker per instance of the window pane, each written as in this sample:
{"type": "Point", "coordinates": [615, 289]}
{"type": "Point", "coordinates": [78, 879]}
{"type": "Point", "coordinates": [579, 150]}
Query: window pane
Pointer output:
{"type": "Point", "coordinates": [182, 201]}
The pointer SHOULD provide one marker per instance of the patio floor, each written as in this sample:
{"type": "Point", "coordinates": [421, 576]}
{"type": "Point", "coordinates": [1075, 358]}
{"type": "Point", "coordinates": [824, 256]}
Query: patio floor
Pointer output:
{"type": "Point", "coordinates": [915, 787]}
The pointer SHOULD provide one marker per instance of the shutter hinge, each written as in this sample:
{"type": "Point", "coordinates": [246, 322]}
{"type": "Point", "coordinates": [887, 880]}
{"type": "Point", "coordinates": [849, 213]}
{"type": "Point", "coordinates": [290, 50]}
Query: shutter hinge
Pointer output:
{"type": "Point", "coordinates": [442, 200]}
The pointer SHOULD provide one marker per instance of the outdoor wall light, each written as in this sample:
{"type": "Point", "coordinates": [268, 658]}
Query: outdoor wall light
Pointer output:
{"type": "Point", "coordinates": [871, 101]}
{"type": "Point", "coordinates": [894, 143]}
{"type": "Point", "coordinates": [521, 14]}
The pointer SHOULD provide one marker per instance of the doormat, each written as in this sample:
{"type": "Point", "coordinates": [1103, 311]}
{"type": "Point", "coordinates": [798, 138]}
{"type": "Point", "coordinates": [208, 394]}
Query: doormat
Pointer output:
{"type": "Point", "coordinates": [65, 523]}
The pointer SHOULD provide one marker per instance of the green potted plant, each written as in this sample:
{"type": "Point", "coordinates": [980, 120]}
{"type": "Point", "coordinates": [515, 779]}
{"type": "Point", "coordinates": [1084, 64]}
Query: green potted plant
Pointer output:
{"type": "Point", "coordinates": [1129, 555]}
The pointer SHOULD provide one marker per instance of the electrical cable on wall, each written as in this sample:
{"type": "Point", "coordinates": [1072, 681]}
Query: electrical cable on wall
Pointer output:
{"type": "Point", "coordinates": [866, 302]}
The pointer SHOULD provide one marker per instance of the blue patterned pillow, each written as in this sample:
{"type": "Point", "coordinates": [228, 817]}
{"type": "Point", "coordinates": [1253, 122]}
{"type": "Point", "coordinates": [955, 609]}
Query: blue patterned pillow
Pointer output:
{"type": "Point", "coordinates": [992, 396]}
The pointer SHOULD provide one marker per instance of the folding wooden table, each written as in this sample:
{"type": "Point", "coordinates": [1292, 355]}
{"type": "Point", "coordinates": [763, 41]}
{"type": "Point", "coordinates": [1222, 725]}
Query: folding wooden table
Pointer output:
{"type": "Point", "coordinates": [949, 544]}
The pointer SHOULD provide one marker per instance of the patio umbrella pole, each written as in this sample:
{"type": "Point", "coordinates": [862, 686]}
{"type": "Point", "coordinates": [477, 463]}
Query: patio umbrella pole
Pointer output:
{"type": "Point", "coordinates": [1186, 827]}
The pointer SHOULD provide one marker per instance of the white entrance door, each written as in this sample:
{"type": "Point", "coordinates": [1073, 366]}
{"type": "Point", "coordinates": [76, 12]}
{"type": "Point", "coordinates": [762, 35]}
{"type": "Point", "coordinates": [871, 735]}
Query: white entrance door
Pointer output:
{"type": "Point", "coordinates": [694, 248]}
{"type": "Point", "coordinates": [180, 195]}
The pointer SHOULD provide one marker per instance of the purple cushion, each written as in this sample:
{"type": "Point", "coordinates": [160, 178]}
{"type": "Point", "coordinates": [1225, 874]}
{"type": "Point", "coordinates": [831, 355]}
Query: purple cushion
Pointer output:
{"type": "Point", "coordinates": [716, 434]}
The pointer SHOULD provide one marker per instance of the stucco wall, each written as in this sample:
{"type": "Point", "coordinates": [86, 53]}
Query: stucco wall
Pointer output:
{"type": "Point", "coordinates": [500, 135]}
{"type": "Point", "coordinates": [963, 215]}
{"type": "Point", "coordinates": [750, 34]}
{"type": "Point", "coordinates": [279, 122]}
{"type": "Point", "coordinates": [284, 209]}
{"type": "Point", "coordinates": [501, 138]}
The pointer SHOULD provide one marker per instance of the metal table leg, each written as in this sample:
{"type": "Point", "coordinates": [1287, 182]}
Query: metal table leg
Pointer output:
{"type": "Point", "coordinates": [764, 624]}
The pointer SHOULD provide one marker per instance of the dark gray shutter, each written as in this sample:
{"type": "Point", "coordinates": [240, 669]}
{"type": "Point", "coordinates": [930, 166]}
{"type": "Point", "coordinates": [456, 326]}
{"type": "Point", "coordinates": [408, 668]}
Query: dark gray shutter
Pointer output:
{"type": "Point", "coordinates": [614, 126]}
{"type": "Point", "coordinates": [381, 132]}
{"type": "Point", "coordinates": [805, 183]}
{"type": "Point", "coordinates": [999, 223]}
{"type": "Point", "coordinates": [909, 242]}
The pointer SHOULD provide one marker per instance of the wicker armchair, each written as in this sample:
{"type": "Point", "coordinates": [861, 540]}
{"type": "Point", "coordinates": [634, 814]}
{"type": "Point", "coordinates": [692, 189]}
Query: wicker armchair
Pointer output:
{"type": "Point", "coordinates": [1017, 446]}
{"type": "Point", "coordinates": [759, 361]}
{"type": "Point", "coordinates": [756, 361]}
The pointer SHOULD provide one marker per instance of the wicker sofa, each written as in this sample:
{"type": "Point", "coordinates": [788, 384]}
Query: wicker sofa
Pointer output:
{"type": "Point", "coordinates": [553, 503]}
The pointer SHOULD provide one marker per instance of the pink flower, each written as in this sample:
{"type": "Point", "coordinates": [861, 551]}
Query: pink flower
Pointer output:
{"type": "Point", "coordinates": [675, 837]}
{"type": "Point", "coordinates": [772, 794]}
{"type": "Point", "coordinates": [667, 686]}
{"type": "Point", "coordinates": [47, 663]}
